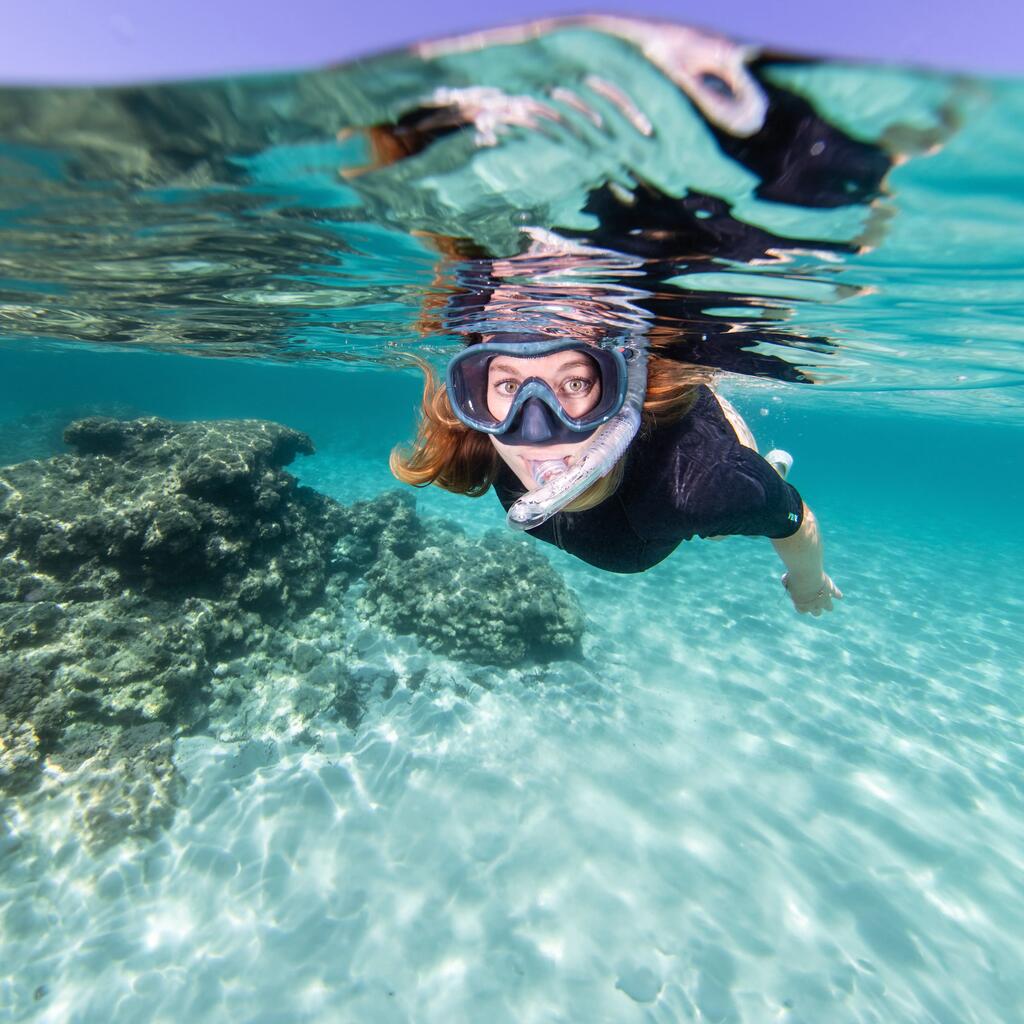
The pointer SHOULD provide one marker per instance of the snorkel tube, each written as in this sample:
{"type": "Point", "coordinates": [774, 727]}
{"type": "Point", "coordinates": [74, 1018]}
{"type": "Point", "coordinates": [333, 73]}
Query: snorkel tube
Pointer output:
{"type": "Point", "coordinates": [558, 485]}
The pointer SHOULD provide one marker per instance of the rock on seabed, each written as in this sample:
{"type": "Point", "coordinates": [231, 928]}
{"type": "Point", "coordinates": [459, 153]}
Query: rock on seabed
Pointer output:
{"type": "Point", "coordinates": [157, 555]}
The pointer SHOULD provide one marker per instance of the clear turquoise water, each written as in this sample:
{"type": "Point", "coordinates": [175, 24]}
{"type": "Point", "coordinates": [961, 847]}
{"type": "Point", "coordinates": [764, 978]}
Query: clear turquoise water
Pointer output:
{"type": "Point", "coordinates": [723, 812]}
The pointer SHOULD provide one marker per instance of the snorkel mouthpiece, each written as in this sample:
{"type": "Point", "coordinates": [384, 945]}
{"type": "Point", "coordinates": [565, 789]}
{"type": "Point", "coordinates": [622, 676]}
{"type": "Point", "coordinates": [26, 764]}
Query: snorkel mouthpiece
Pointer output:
{"type": "Point", "coordinates": [545, 472]}
{"type": "Point", "coordinates": [558, 485]}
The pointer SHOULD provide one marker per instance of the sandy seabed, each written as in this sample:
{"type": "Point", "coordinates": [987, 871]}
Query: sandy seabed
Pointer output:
{"type": "Point", "coordinates": [722, 812]}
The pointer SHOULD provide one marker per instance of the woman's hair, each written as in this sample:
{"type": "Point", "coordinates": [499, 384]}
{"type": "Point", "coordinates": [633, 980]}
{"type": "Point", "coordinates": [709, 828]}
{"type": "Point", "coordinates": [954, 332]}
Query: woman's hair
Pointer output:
{"type": "Point", "coordinates": [448, 453]}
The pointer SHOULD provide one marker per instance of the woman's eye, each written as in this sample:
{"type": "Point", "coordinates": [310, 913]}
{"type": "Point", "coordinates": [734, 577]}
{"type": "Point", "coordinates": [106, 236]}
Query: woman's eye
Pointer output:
{"type": "Point", "coordinates": [577, 386]}
{"type": "Point", "coordinates": [507, 387]}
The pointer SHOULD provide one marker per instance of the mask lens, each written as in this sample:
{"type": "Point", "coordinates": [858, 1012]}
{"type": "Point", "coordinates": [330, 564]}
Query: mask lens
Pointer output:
{"type": "Point", "coordinates": [571, 380]}
{"type": "Point", "coordinates": [582, 385]}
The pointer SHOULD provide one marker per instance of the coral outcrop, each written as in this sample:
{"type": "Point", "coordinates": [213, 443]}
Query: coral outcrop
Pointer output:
{"type": "Point", "coordinates": [174, 510]}
{"type": "Point", "coordinates": [492, 601]}
{"type": "Point", "coordinates": [129, 567]}
{"type": "Point", "coordinates": [166, 578]}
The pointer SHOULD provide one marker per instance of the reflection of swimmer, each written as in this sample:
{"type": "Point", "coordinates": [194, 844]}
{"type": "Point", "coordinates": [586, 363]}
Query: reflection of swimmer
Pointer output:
{"type": "Point", "coordinates": [799, 157]}
{"type": "Point", "coordinates": [674, 232]}
{"type": "Point", "coordinates": [614, 454]}
{"type": "Point", "coordinates": [550, 423]}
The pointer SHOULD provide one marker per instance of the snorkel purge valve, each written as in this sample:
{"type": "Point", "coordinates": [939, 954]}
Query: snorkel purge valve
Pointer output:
{"type": "Point", "coordinates": [560, 485]}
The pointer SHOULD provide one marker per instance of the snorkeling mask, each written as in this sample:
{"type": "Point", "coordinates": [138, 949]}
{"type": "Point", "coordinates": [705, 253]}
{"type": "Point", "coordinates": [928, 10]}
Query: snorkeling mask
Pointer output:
{"type": "Point", "coordinates": [536, 414]}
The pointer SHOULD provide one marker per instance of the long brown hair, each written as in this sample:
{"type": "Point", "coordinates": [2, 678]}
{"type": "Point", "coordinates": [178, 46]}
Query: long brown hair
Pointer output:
{"type": "Point", "coordinates": [449, 454]}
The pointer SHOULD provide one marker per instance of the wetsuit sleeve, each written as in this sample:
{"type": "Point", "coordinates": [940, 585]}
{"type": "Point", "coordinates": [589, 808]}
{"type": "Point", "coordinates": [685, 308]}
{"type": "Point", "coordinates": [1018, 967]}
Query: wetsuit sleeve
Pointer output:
{"type": "Point", "coordinates": [746, 496]}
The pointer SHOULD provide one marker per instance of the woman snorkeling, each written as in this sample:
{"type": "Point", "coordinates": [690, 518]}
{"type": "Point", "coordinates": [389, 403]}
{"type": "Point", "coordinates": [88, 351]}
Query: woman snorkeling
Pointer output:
{"type": "Point", "coordinates": [612, 454]}
{"type": "Point", "coordinates": [583, 394]}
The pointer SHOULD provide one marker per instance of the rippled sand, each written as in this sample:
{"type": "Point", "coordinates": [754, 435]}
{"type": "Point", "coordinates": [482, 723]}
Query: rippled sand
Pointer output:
{"type": "Point", "coordinates": [724, 813]}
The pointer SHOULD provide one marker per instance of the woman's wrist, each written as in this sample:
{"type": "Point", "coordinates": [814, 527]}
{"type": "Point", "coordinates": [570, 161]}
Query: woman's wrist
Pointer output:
{"type": "Point", "coordinates": [805, 586]}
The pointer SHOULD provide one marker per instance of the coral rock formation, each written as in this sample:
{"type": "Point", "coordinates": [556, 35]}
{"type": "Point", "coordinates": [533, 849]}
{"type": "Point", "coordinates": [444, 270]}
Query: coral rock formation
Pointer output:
{"type": "Point", "coordinates": [128, 568]}
{"type": "Point", "coordinates": [493, 601]}
{"type": "Point", "coordinates": [152, 579]}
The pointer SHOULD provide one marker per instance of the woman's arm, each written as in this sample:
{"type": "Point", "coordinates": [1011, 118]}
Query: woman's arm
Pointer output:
{"type": "Point", "coordinates": [805, 580]}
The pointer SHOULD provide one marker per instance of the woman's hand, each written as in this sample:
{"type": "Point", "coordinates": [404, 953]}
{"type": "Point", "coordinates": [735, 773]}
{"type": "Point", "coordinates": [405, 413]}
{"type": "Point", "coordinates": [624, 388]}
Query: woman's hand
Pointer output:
{"type": "Point", "coordinates": [815, 601]}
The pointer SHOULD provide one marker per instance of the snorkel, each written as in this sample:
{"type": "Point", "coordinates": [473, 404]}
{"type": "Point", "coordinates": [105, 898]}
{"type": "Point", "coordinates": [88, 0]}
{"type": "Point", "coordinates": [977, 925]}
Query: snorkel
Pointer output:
{"type": "Point", "coordinates": [559, 485]}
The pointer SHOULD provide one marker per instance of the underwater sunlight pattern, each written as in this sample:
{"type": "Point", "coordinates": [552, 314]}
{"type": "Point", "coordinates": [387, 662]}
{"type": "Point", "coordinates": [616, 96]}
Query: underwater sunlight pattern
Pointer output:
{"type": "Point", "coordinates": [285, 739]}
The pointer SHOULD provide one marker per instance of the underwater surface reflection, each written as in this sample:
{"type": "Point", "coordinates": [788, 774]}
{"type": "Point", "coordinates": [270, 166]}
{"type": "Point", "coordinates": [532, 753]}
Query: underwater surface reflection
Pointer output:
{"type": "Point", "coordinates": [282, 739]}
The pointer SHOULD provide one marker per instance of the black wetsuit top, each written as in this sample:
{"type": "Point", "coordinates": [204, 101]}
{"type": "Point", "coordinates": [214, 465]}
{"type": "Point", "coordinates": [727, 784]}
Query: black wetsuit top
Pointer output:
{"type": "Point", "coordinates": [690, 478]}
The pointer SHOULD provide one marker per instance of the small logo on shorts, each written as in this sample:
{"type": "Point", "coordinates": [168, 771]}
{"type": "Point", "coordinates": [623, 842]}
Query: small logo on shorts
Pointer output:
{"type": "Point", "coordinates": [793, 517]}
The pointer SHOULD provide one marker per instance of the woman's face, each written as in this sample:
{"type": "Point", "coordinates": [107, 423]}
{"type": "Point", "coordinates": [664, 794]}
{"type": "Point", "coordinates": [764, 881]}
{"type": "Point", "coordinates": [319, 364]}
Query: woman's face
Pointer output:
{"type": "Point", "coordinates": [573, 378]}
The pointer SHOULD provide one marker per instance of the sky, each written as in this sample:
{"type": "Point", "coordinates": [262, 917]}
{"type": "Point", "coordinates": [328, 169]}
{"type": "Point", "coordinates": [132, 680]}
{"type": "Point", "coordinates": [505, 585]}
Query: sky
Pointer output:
{"type": "Point", "coordinates": [106, 41]}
